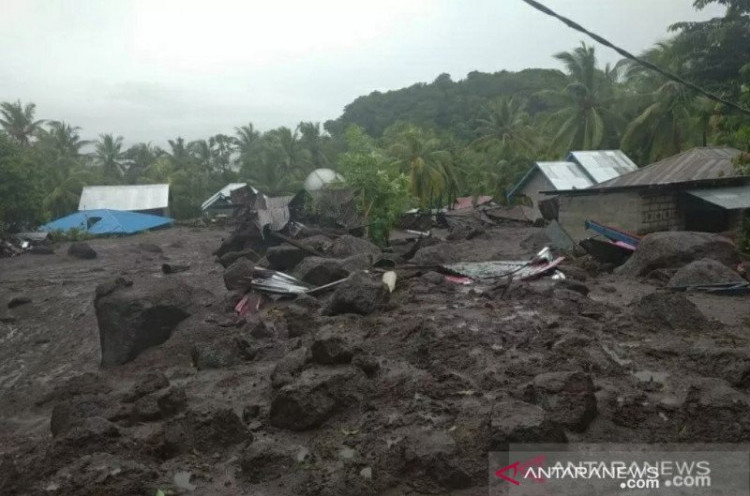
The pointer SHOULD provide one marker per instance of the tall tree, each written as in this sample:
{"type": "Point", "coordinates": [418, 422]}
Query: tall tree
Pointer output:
{"type": "Point", "coordinates": [583, 120]}
{"type": "Point", "coordinates": [312, 140]}
{"type": "Point", "coordinates": [108, 155]}
{"type": "Point", "coordinates": [505, 120]}
{"type": "Point", "coordinates": [18, 121]}
{"type": "Point", "coordinates": [429, 167]}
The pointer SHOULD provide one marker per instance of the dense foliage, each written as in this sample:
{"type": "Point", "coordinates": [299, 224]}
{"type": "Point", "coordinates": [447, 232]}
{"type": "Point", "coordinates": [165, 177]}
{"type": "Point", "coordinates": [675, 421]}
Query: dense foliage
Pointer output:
{"type": "Point", "coordinates": [418, 146]}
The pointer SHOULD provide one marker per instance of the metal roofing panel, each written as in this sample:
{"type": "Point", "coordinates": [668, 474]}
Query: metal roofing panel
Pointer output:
{"type": "Point", "coordinates": [224, 192]}
{"type": "Point", "coordinates": [565, 175]}
{"type": "Point", "coordinates": [132, 197]}
{"type": "Point", "coordinates": [691, 165]}
{"type": "Point", "coordinates": [731, 198]}
{"type": "Point", "coordinates": [603, 165]}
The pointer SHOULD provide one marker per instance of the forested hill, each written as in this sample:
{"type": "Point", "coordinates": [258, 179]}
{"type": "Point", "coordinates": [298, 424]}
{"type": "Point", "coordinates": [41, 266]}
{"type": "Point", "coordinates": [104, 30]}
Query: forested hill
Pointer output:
{"type": "Point", "coordinates": [447, 104]}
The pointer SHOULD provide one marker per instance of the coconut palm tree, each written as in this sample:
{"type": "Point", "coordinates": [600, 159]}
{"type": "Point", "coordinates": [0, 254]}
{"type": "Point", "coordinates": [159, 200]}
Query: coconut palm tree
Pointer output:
{"type": "Point", "coordinates": [505, 120]}
{"type": "Point", "coordinates": [18, 121]}
{"type": "Point", "coordinates": [583, 120]}
{"type": "Point", "coordinates": [108, 155]}
{"type": "Point", "coordinates": [429, 167]}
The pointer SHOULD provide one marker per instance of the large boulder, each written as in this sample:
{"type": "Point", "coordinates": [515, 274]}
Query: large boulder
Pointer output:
{"type": "Point", "coordinates": [674, 249]}
{"type": "Point", "coordinates": [81, 250]}
{"type": "Point", "coordinates": [316, 395]}
{"type": "Point", "coordinates": [669, 310]}
{"type": "Point", "coordinates": [285, 257]}
{"type": "Point", "coordinates": [704, 271]}
{"type": "Point", "coordinates": [347, 245]}
{"type": "Point", "coordinates": [567, 397]}
{"type": "Point", "coordinates": [133, 318]}
{"type": "Point", "coordinates": [358, 294]}
{"type": "Point", "coordinates": [515, 421]}
{"type": "Point", "coordinates": [239, 274]}
{"type": "Point", "coordinates": [319, 271]}
{"type": "Point", "coordinates": [440, 254]}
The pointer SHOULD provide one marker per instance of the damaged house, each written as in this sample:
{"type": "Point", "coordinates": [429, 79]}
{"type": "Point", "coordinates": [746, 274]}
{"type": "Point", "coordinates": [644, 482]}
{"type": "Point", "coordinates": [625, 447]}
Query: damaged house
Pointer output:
{"type": "Point", "coordinates": [697, 190]}
{"type": "Point", "coordinates": [579, 170]}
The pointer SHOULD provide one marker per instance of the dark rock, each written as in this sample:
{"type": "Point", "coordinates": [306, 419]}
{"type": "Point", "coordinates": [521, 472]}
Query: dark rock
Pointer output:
{"type": "Point", "coordinates": [250, 412]}
{"type": "Point", "coordinates": [91, 429]}
{"type": "Point", "coordinates": [704, 271]}
{"type": "Point", "coordinates": [358, 262]}
{"type": "Point", "coordinates": [713, 412]}
{"type": "Point", "coordinates": [330, 348]}
{"type": "Point", "coordinates": [314, 396]}
{"type": "Point", "coordinates": [575, 273]}
{"type": "Point", "coordinates": [288, 367]}
{"type": "Point", "coordinates": [265, 460]}
{"type": "Point", "coordinates": [568, 398]}
{"type": "Point", "coordinates": [515, 421]}
{"type": "Point", "coordinates": [239, 274]}
{"type": "Point", "coordinates": [41, 250]}
{"type": "Point", "coordinates": [204, 430]}
{"type": "Point", "coordinates": [319, 271]}
{"type": "Point", "coordinates": [307, 301]}
{"type": "Point", "coordinates": [17, 301]}
{"type": "Point", "coordinates": [671, 310]}
{"type": "Point", "coordinates": [434, 455]}
{"type": "Point", "coordinates": [112, 285]}
{"type": "Point", "coordinates": [223, 352]}
{"type": "Point", "coordinates": [674, 249]}
{"type": "Point", "coordinates": [70, 413]}
{"type": "Point", "coordinates": [171, 401]}
{"type": "Point", "coordinates": [347, 245]}
{"type": "Point", "coordinates": [434, 255]}
{"type": "Point", "coordinates": [433, 277]}
{"type": "Point", "coordinates": [285, 257]}
{"type": "Point", "coordinates": [81, 250]}
{"type": "Point", "coordinates": [460, 232]}
{"type": "Point", "coordinates": [572, 285]}
{"type": "Point", "coordinates": [146, 409]}
{"type": "Point", "coordinates": [88, 383]}
{"type": "Point", "coordinates": [150, 383]}
{"type": "Point", "coordinates": [358, 294]}
{"type": "Point", "coordinates": [132, 319]}
{"type": "Point", "coordinates": [299, 320]}
{"type": "Point", "coordinates": [366, 363]}
{"type": "Point", "coordinates": [258, 328]}
{"type": "Point", "coordinates": [149, 247]}
{"type": "Point", "coordinates": [318, 242]}
{"type": "Point", "coordinates": [229, 258]}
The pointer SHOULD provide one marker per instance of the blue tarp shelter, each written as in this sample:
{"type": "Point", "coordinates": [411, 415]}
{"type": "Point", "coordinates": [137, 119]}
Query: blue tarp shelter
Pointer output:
{"type": "Point", "coordinates": [105, 221]}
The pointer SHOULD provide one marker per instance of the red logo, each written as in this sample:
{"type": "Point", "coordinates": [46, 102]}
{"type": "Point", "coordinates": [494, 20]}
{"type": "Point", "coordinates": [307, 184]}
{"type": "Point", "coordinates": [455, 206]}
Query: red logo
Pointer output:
{"type": "Point", "coordinates": [519, 468]}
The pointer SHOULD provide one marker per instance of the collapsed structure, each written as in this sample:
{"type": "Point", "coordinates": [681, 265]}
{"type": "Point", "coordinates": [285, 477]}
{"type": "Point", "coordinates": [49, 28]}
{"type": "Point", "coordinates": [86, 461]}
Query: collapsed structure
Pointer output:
{"type": "Point", "coordinates": [143, 198]}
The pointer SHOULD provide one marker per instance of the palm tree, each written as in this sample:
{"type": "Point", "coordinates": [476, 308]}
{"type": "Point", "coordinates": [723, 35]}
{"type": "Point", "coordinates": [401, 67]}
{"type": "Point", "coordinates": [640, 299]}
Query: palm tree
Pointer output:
{"type": "Point", "coordinates": [584, 120]}
{"type": "Point", "coordinates": [312, 141]}
{"type": "Point", "coordinates": [429, 167]}
{"type": "Point", "coordinates": [18, 121]}
{"type": "Point", "coordinates": [139, 158]}
{"type": "Point", "coordinates": [108, 155]}
{"type": "Point", "coordinates": [505, 121]}
{"type": "Point", "coordinates": [668, 118]}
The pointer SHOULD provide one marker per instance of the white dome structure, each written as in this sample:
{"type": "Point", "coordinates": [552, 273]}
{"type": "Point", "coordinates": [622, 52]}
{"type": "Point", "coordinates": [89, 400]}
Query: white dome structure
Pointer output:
{"type": "Point", "coordinates": [320, 178]}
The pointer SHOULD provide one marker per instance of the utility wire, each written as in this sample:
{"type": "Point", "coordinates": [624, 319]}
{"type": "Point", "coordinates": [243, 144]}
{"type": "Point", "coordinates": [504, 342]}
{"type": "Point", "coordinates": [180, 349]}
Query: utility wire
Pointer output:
{"type": "Point", "coordinates": [628, 55]}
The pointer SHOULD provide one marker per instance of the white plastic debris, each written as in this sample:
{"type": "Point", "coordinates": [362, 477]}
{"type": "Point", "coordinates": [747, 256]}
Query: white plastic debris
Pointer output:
{"type": "Point", "coordinates": [389, 278]}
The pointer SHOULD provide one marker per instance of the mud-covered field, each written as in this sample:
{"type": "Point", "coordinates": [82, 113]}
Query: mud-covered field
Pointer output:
{"type": "Point", "coordinates": [408, 399]}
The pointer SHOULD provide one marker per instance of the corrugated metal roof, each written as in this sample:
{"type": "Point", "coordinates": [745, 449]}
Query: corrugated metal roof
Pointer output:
{"type": "Point", "coordinates": [731, 198]}
{"type": "Point", "coordinates": [603, 165]}
{"type": "Point", "coordinates": [691, 165]}
{"type": "Point", "coordinates": [565, 175]}
{"type": "Point", "coordinates": [132, 197]}
{"type": "Point", "coordinates": [224, 192]}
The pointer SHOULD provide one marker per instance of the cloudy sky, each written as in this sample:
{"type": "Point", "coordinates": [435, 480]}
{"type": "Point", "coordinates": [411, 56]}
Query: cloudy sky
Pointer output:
{"type": "Point", "coordinates": [151, 70]}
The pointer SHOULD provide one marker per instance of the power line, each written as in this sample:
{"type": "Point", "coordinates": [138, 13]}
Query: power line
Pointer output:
{"type": "Point", "coordinates": [628, 55]}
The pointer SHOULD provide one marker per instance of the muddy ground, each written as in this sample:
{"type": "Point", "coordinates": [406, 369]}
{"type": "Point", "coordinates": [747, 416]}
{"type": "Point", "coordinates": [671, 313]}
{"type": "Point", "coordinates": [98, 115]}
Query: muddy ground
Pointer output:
{"type": "Point", "coordinates": [406, 400]}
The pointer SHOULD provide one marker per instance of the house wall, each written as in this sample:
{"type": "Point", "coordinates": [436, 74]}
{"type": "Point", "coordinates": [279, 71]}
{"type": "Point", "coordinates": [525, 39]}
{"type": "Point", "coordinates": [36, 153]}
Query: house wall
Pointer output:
{"type": "Point", "coordinates": [660, 212]}
{"type": "Point", "coordinates": [617, 209]}
{"type": "Point", "coordinates": [532, 191]}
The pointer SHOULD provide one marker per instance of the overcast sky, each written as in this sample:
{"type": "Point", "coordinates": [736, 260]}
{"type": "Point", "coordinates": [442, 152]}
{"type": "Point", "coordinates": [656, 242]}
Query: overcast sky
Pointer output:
{"type": "Point", "coordinates": [151, 70]}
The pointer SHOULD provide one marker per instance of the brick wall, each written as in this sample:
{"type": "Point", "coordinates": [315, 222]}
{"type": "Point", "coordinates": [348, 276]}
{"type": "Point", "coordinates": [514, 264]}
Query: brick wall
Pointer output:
{"type": "Point", "coordinates": [659, 212]}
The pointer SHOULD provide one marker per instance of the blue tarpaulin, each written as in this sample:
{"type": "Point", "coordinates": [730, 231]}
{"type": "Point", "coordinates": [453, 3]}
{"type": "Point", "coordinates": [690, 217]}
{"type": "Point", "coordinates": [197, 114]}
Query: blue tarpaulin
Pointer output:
{"type": "Point", "coordinates": [107, 222]}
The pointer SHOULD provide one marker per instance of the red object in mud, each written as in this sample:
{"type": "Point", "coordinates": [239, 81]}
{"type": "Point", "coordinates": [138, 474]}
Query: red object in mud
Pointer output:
{"type": "Point", "coordinates": [458, 279]}
{"type": "Point", "coordinates": [250, 303]}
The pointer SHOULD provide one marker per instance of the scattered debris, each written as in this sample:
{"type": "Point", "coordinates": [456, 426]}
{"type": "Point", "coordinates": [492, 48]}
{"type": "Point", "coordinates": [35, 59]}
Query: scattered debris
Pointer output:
{"type": "Point", "coordinates": [544, 263]}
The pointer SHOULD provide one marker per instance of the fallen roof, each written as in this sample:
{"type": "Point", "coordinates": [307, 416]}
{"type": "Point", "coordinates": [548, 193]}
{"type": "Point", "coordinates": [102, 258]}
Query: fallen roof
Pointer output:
{"type": "Point", "coordinates": [104, 221]}
{"type": "Point", "coordinates": [603, 165]}
{"type": "Point", "coordinates": [730, 198]}
{"type": "Point", "coordinates": [130, 197]}
{"type": "Point", "coordinates": [691, 165]}
{"type": "Point", "coordinates": [223, 193]}
{"type": "Point", "coordinates": [468, 201]}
